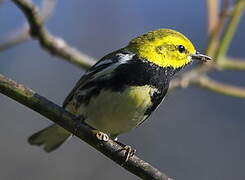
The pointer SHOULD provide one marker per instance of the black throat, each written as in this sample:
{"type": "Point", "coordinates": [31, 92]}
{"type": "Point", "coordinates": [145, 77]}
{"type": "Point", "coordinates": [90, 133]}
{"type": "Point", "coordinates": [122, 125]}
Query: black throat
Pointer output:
{"type": "Point", "coordinates": [136, 72]}
{"type": "Point", "coordinates": [139, 72]}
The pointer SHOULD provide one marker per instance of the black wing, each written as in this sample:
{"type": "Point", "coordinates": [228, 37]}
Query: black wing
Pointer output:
{"type": "Point", "coordinates": [102, 68]}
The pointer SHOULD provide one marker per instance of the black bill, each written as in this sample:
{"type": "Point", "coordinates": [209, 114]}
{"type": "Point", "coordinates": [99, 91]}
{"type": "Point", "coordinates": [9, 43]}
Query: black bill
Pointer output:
{"type": "Point", "coordinates": [200, 57]}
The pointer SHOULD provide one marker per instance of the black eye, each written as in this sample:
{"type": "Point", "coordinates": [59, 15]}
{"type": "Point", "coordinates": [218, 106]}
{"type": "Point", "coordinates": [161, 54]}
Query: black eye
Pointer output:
{"type": "Point", "coordinates": [181, 48]}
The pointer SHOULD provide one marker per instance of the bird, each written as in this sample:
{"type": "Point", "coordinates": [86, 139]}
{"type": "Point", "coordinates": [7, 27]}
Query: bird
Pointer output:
{"type": "Point", "coordinates": [121, 91]}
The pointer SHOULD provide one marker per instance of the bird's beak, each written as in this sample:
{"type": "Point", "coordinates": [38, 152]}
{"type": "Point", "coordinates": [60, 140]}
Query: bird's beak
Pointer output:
{"type": "Point", "coordinates": [200, 57]}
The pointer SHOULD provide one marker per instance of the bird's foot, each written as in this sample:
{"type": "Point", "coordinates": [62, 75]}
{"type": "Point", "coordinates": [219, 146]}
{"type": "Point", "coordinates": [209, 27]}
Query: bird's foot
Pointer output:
{"type": "Point", "coordinates": [129, 151]}
{"type": "Point", "coordinates": [102, 136]}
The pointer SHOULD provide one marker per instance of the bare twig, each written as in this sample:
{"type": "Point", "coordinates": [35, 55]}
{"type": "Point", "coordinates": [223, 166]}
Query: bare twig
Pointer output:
{"type": "Point", "coordinates": [52, 44]}
{"type": "Point", "coordinates": [212, 7]}
{"type": "Point", "coordinates": [67, 120]}
{"type": "Point", "coordinates": [185, 79]}
{"type": "Point", "coordinates": [230, 29]}
{"type": "Point", "coordinates": [215, 26]}
{"type": "Point", "coordinates": [22, 34]}
{"type": "Point", "coordinates": [233, 64]}
{"type": "Point", "coordinates": [219, 87]}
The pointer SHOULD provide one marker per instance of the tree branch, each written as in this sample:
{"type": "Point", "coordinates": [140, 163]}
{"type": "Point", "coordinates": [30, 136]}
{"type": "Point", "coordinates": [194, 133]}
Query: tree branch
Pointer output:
{"type": "Point", "coordinates": [221, 88]}
{"type": "Point", "coordinates": [52, 44]}
{"type": "Point", "coordinates": [215, 25]}
{"type": "Point", "coordinates": [233, 64]}
{"type": "Point", "coordinates": [187, 78]}
{"type": "Point", "coordinates": [212, 7]}
{"type": "Point", "coordinates": [237, 12]}
{"type": "Point", "coordinates": [22, 34]}
{"type": "Point", "coordinates": [58, 115]}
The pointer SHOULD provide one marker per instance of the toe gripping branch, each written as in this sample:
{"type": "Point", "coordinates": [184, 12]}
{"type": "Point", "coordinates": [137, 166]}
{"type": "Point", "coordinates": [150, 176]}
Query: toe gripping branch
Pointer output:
{"type": "Point", "coordinates": [129, 151]}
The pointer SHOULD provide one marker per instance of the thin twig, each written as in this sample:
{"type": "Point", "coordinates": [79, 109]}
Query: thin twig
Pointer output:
{"type": "Point", "coordinates": [217, 25]}
{"type": "Point", "coordinates": [16, 38]}
{"type": "Point", "coordinates": [221, 88]}
{"type": "Point", "coordinates": [58, 115]}
{"type": "Point", "coordinates": [230, 29]}
{"type": "Point", "coordinates": [52, 44]}
{"type": "Point", "coordinates": [22, 34]}
{"type": "Point", "coordinates": [185, 79]}
{"type": "Point", "coordinates": [212, 7]}
{"type": "Point", "coordinates": [233, 64]}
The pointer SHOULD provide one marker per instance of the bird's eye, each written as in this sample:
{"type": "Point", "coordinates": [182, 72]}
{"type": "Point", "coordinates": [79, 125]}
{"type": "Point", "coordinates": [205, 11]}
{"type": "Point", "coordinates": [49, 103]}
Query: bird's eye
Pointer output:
{"type": "Point", "coordinates": [181, 48]}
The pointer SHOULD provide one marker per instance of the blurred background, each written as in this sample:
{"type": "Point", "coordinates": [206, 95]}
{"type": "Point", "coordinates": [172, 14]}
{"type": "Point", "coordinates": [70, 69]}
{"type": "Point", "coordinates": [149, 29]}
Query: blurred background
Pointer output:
{"type": "Point", "coordinates": [194, 134]}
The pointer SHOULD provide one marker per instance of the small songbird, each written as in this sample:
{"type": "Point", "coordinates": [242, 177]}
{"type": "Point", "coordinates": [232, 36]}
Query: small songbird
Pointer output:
{"type": "Point", "coordinates": [122, 89]}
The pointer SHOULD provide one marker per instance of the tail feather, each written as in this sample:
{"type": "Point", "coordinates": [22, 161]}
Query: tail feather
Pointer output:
{"type": "Point", "coordinates": [50, 138]}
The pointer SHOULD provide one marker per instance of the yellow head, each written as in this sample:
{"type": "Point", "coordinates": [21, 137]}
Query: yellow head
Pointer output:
{"type": "Point", "coordinates": [165, 48]}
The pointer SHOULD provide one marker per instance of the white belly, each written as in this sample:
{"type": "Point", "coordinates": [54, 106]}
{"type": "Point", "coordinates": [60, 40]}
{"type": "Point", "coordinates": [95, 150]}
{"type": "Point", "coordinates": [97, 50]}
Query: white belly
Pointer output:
{"type": "Point", "coordinates": [117, 112]}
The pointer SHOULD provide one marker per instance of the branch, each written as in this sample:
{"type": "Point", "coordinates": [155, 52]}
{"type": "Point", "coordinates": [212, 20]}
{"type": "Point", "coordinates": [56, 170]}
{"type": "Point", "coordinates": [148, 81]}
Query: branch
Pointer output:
{"type": "Point", "coordinates": [212, 7]}
{"type": "Point", "coordinates": [22, 34]}
{"type": "Point", "coordinates": [187, 78]}
{"type": "Point", "coordinates": [197, 76]}
{"type": "Point", "coordinates": [52, 44]}
{"type": "Point", "coordinates": [230, 29]}
{"type": "Point", "coordinates": [58, 115]}
{"type": "Point", "coordinates": [215, 25]}
{"type": "Point", "coordinates": [221, 88]}
{"type": "Point", "coordinates": [233, 64]}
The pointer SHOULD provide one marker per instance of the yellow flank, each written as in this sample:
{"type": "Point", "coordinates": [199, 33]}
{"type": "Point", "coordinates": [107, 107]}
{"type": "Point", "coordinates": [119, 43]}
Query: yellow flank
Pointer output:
{"type": "Point", "coordinates": [118, 112]}
{"type": "Point", "coordinates": [161, 48]}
